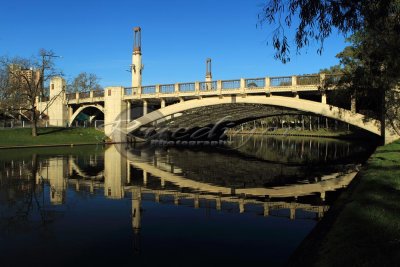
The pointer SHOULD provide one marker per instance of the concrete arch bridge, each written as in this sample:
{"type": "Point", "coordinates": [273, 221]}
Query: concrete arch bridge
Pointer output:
{"type": "Point", "coordinates": [196, 104]}
{"type": "Point", "coordinates": [238, 109]}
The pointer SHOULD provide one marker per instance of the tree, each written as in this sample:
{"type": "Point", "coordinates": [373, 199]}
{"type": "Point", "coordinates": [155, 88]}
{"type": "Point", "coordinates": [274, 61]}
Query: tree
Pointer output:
{"type": "Point", "coordinates": [317, 18]}
{"type": "Point", "coordinates": [22, 83]}
{"type": "Point", "coordinates": [371, 66]}
{"type": "Point", "coordinates": [84, 82]}
{"type": "Point", "coordinates": [372, 63]}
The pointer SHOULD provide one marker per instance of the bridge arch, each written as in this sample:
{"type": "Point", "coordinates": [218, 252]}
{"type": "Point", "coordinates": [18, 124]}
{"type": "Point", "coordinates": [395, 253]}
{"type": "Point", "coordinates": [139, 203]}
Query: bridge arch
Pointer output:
{"type": "Point", "coordinates": [75, 167]}
{"type": "Point", "coordinates": [308, 106]}
{"type": "Point", "coordinates": [82, 108]}
{"type": "Point", "coordinates": [329, 183]}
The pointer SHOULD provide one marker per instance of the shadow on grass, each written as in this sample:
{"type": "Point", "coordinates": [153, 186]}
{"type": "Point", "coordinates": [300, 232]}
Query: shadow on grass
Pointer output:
{"type": "Point", "coordinates": [53, 130]}
{"type": "Point", "coordinates": [388, 151]}
{"type": "Point", "coordinates": [385, 168]}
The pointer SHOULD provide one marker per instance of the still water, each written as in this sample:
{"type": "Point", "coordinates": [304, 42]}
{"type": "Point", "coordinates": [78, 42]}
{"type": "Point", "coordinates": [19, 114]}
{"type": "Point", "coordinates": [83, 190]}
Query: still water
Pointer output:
{"type": "Point", "coordinates": [250, 203]}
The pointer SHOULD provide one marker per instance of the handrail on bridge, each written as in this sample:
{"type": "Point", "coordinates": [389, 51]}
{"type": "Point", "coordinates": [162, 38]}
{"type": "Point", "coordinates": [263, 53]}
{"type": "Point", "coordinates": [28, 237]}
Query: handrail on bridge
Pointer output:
{"type": "Point", "coordinates": [237, 84]}
{"type": "Point", "coordinates": [255, 83]}
{"type": "Point", "coordinates": [98, 93]}
{"type": "Point", "coordinates": [208, 86]}
{"type": "Point", "coordinates": [281, 81]}
{"type": "Point", "coordinates": [219, 85]}
{"type": "Point", "coordinates": [230, 84]}
{"type": "Point", "coordinates": [84, 95]}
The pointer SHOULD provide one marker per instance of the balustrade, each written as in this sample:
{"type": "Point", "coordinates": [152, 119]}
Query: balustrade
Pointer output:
{"type": "Point", "coordinates": [280, 81]}
{"type": "Point", "coordinates": [71, 96]}
{"type": "Point", "coordinates": [230, 84]}
{"type": "Point", "coordinates": [331, 79]}
{"type": "Point", "coordinates": [167, 88]}
{"type": "Point", "coordinates": [248, 84]}
{"type": "Point", "coordinates": [308, 80]}
{"type": "Point", "coordinates": [255, 83]}
{"type": "Point", "coordinates": [98, 93]}
{"type": "Point", "coordinates": [83, 95]}
{"type": "Point", "coordinates": [208, 86]}
{"type": "Point", "coordinates": [150, 89]}
{"type": "Point", "coordinates": [186, 87]}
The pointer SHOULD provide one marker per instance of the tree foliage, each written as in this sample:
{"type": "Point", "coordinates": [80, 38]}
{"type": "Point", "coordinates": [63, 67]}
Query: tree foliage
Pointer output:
{"type": "Point", "coordinates": [84, 82]}
{"type": "Point", "coordinates": [314, 20]}
{"type": "Point", "coordinates": [371, 65]}
{"type": "Point", "coordinates": [22, 82]}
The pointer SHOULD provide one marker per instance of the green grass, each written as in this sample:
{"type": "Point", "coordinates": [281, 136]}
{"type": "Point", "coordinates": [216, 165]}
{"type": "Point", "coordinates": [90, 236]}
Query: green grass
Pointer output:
{"type": "Point", "coordinates": [364, 228]}
{"type": "Point", "coordinates": [50, 136]}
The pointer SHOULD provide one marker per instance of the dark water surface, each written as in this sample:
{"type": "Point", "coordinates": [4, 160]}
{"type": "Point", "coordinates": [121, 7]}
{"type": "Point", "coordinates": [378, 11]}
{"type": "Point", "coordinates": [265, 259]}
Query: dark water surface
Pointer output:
{"type": "Point", "coordinates": [247, 204]}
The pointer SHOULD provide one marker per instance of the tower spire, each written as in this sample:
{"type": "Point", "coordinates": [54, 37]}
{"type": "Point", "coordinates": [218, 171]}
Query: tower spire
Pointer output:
{"type": "Point", "coordinates": [137, 66]}
{"type": "Point", "coordinates": [208, 70]}
{"type": "Point", "coordinates": [137, 40]}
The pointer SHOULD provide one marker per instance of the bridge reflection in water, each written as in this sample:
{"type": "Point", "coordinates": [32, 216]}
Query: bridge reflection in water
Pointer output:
{"type": "Point", "coordinates": [269, 177]}
{"type": "Point", "coordinates": [185, 183]}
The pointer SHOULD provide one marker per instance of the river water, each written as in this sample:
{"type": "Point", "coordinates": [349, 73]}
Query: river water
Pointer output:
{"type": "Point", "coordinates": [249, 203]}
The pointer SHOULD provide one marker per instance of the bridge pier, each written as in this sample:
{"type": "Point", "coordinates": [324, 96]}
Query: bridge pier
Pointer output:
{"type": "Point", "coordinates": [266, 210]}
{"type": "Point", "coordinates": [56, 173]}
{"type": "Point", "coordinates": [176, 198]}
{"type": "Point", "coordinates": [241, 205]}
{"type": "Point", "coordinates": [145, 103]}
{"type": "Point", "coordinates": [322, 195]}
{"type": "Point", "coordinates": [292, 211]}
{"type": "Point", "coordinates": [353, 104]}
{"type": "Point", "coordinates": [91, 187]}
{"type": "Point", "coordinates": [157, 196]}
{"type": "Point", "coordinates": [196, 201]}
{"type": "Point", "coordinates": [70, 113]}
{"type": "Point", "coordinates": [115, 170]}
{"type": "Point", "coordinates": [136, 214]}
{"type": "Point", "coordinates": [129, 110]}
{"type": "Point", "coordinates": [115, 114]}
{"type": "Point", "coordinates": [144, 178]}
{"type": "Point", "coordinates": [218, 203]}
{"type": "Point", "coordinates": [323, 98]}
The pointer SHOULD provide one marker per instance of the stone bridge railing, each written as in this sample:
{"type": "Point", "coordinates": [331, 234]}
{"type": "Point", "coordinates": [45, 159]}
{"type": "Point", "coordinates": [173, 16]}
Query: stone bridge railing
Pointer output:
{"type": "Point", "coordinates": [246, 85]}
{"type": "Point", "coordinates": [85, 95]}
{"type": "Point", "coordinates": [312, 82]}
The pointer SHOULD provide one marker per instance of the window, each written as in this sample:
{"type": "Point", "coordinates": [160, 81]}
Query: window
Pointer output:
{"type": "Point", "coordinates": [109, 92]}
{"type": "Point", "coordinates": [52, 86]}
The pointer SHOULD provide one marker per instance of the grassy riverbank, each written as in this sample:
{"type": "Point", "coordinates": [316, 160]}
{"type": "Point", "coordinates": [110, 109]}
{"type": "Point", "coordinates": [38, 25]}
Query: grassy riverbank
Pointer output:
{"type": "Point", "coordinates": [50, 136]}
{"type": "Point", "coordinates": [363, 226]}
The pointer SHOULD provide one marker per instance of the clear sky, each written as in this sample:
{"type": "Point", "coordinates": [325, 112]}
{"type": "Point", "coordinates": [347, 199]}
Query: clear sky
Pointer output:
{"type": "Point", "coordinates": [177, 37]}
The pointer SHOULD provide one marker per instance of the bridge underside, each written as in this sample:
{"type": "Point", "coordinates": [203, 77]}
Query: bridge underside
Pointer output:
{"type": "Point", "coordinates": [202, 111]}
{"type": "Point", "coordinates": [87, 113]}
{"type": "Point", "coordinates": [211, 115]}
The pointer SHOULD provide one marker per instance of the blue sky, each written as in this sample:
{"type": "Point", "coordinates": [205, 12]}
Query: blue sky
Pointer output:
{"type": "Point", "coordinates": [177, 37]}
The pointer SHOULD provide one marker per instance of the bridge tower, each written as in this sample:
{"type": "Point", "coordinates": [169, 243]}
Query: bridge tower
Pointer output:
{"type": "Point", "coordinates": [57, 110]}
{"type": "Point", "coordinates": [137, 67]}
{"type": "Point", "coordinates": [208, 70]}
